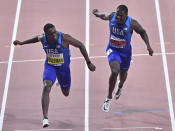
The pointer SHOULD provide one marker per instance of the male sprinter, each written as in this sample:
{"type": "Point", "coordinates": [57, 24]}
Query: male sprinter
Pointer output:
{"type": "Point", "coordinates": [119, 50]}
{"type": "Point", "coordinates": [57, 63]}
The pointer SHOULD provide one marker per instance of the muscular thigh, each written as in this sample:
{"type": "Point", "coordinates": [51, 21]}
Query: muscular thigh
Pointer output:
{"type": "Point", "coordinates": [115, 67]}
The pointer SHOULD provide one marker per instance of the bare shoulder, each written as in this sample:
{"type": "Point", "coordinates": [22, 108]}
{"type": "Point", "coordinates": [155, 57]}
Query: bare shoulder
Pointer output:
{"type": "Point", "coordinates": [136, 26]}
{"type": "Point", "coordinates": [66, 39]}
{"type": "Point", "coordinates": [134, 23]}
{"type": "Point", "coordinates": [66, 36]}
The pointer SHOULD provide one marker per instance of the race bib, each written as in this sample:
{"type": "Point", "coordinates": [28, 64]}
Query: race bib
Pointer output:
{"type": "Point", "coordinates": [118, 43]}
{"type": "Point", "coordinates": [108, 52]}
{"type": "Point", "coordinates": [55, 59]}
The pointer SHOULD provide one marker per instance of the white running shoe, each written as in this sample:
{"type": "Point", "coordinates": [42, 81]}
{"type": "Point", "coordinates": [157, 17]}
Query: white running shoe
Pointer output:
{"type": "Point", "coordinates": [106, 105]}
{"type": "Point", "coordinates": [45, 123]}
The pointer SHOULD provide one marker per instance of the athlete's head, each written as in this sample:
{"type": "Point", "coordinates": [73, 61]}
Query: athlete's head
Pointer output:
{"type": "Point", "coordinates": [122, 13]}
{"type": "Point", "coordinates": [51, 33]}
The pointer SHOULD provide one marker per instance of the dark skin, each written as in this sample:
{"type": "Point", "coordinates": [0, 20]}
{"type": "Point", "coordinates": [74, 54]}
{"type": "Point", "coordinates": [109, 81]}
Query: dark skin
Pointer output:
{"type": "Point", "coordinates": [114, 65]}
{"type": "Point", "coordinates": [52, 37]}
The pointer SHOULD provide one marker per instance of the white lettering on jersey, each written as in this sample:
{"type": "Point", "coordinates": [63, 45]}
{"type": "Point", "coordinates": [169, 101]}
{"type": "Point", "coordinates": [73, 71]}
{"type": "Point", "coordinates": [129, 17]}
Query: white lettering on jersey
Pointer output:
{"type": "Point", "coordinates": [117, 31]}
{"type": "Point", "coordinates": [52, 51]}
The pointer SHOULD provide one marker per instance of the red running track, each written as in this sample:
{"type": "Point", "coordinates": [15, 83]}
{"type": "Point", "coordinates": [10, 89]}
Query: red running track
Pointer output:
{"type": "Point", "coordinates": [144, 103]}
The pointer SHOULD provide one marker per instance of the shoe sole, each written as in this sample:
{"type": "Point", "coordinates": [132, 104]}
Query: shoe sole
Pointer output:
{"type": "Point", "coordinates": [105, 110]}
{"type": "Point", "coordinates": [46, 125]}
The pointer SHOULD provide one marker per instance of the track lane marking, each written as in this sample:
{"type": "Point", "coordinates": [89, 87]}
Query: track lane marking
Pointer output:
{"type": "Point", "coordinates": [4, 100]}
{"type": "Point", "coordinates": [87, 25]}
{"type": "Point", "coordinates": [45, 130]}
{"type": "Point", "coordinates": [165, 67]}
{"type": "Point", "coordinates": [128, 128]}
{"type": "Point", "coordinates": [78, 58]}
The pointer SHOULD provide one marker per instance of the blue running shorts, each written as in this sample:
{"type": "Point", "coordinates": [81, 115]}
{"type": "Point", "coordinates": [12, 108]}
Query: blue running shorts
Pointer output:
{"type": "Point", "coordinates": [124, 59]}
{"type": "Point", "coordinates": [62, 73]}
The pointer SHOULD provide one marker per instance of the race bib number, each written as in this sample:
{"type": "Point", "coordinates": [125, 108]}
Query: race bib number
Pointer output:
{"type": "Point", "coordinates": [55, 59]}
{"type": "Point", "coordinates": [118, 43]}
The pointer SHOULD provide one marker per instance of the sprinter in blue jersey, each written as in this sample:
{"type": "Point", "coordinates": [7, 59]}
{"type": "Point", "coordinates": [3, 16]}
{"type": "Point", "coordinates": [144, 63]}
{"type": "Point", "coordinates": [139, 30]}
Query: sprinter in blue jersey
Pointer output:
{"type": "Point", "coordinates": [57, 63]}
{"type": "Point", "coordinates": [119, 49]}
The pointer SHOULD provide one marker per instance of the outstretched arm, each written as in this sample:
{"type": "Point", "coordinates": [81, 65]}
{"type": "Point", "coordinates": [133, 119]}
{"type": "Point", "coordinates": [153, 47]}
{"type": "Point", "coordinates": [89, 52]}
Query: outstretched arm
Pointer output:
{"type": "Point", "coordinates": [29, 41]}
{"type": "Point", "coordinates": [76, 43]}
{"type": "Point", "coordinates": [103, 16]}
{"type": "Point", "coordinates": [139, 29]}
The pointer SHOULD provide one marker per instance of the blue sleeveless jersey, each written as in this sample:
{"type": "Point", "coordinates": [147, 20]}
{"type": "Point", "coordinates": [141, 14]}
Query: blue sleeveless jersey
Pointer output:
{"type": "Point", "coordinates": [120, 35]}
{"type": "Point", "coordinates": [56, 55]}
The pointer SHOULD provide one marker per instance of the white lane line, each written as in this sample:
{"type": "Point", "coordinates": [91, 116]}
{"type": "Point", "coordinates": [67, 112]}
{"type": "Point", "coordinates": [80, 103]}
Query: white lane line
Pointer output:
{"type": "Point", "coordinates": [86, 119]}
{"type": "Point", "coordinates": [46, 130]}
{"type": "Point", "coordinates": [9, 65]}
{"type": "Point", "coordinates": [78, 58]}
{"type": "Point", "coordinates": [128, 128]}
{"type": "Point", "coordinates": [170, 103]}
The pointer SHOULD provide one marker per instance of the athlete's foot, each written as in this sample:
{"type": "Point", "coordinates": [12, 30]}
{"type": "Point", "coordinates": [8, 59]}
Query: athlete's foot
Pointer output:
{"type": "Point", "coordinates": [45, 123]}
{"type": "Point", "coordinates": [118, 93]}
{"type": "Point", "coordinates": [106, 105]}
